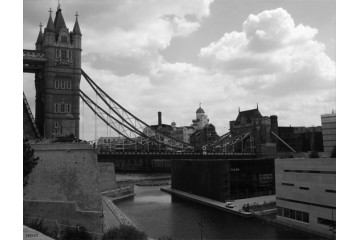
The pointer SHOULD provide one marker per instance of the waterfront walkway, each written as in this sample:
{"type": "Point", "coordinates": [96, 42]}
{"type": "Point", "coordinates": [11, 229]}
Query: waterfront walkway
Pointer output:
{"type": "Point", "coordinates": [238, 204]}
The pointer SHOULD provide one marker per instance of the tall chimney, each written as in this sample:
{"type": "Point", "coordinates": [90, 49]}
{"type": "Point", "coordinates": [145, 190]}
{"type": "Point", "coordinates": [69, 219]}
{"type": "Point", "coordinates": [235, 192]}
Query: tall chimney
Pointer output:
{"type": "Point", "coordinates": [159, 119]}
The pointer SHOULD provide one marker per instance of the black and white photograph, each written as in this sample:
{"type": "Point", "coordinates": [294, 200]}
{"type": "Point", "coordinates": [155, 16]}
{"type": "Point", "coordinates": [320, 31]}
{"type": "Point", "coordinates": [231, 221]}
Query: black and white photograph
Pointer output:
{"type": "Point", "coordinates": [178, 119]}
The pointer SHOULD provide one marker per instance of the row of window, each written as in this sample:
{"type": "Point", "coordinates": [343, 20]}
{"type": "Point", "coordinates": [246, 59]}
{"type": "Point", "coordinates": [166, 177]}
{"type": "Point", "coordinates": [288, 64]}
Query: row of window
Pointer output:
{"type": "Point", "coordinates": [306, 188]}
{"type": "Point", "coordinates": [293, 214]}
{"type": "Point", "coordinates": [62, 108]}
{"type": "Point", "coordinates": [310, 171]}
{"type": "Point", "coordinates": [62, 84]}
{"type": "Point", "coordinates": [63, 54]}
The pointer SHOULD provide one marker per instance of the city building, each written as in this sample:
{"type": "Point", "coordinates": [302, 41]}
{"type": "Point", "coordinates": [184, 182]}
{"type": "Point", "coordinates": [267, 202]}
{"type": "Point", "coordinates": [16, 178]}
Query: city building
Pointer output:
{"type": "Point", "coordinates": [224, 180]}
{"type": "Point", "coordinates": [201, 119]}
{"type": "Point", "coordinates": [306, 194]}
{"type": "Point", "coordinates": [328, 122]}
{"type": "Point", "coordinates": [182, 133]}
{"type": "Point", "coordinates": [260, 139]}
{"type": "Point", "coordinates": [201, 137]}
{"type": "Point", "coordinates": [301, 139]}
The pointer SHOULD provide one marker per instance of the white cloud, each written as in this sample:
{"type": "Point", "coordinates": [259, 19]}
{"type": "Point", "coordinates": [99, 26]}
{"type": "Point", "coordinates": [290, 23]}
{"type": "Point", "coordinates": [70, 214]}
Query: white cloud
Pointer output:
{"type": "Point", "coordinates": [277, 55]}
{"type": "Point", "coordinates": [138, 30]}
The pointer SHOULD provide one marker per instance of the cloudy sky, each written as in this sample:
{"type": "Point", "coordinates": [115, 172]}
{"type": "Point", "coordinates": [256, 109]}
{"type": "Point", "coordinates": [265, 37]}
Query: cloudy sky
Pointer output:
{"type": "Point", "coordinates": [171, 55]}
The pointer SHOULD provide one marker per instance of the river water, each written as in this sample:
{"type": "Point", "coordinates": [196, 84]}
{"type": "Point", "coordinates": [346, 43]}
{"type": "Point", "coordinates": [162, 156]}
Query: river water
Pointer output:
{"type": "Point", "coordinates": [159, 214]}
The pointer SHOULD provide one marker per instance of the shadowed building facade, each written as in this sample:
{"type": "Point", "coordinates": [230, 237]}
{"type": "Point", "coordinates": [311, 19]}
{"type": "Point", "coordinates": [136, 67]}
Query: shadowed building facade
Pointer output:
{"type": "Point", "coordinates": [223, 180]}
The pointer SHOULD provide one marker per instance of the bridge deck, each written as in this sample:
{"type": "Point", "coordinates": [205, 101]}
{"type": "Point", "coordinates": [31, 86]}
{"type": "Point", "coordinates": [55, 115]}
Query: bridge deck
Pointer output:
{"type": "Point", "coordinates": [174, 155]}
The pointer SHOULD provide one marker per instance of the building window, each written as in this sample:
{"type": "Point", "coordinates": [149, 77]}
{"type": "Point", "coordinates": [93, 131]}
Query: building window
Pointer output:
{"type": "Point", "coordinates": [57, 53]}
{"type": "Point", "coordinates": [68, 85]}
{"type": "Point", "coordinates": [56, 124]}
{"type": "Point", "coordinates": [62, 108]}
{"type": "Point", "coordinates": [56, 84]}
{"type": "Point", "coordinates": [63, 54]}
{"type": "Point", "coordinates": [286, 212]}
{"type": "Point", "coordinates": [62, 85]}
{"type": "Point", "coordinates": [279, 211]}
{"type": "Point", "coordinates": [68, 108]}
{"type": "Point", "coordinates": [298, 215]}
{"type": "Point", "coordinates": [293, 214]}
{"type": "Point", "coordinates": [305, 217]}
{"type": "Point", "coordinates": [63, 39]}
{"type": "Point", "coordinates": [70, 54]}
{"type": "Point", "coordinates": [304, 188]}
{"type": "Point", "coordinates": [323, 221]}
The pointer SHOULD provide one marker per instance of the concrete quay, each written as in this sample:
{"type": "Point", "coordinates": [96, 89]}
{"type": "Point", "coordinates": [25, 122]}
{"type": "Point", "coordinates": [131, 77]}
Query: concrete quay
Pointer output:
{"type": "Point", "coordinates": [238, 204]}
{"type": "Point", "coordinates": [113, 216]}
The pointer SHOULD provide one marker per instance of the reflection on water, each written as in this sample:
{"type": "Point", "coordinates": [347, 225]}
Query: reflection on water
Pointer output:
{"type": "Point", "coordinates": [158, 214]}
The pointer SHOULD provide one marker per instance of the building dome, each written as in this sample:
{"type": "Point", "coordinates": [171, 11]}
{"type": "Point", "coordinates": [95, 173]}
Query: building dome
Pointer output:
{"type": "Point", "coordinates": [200, 110]}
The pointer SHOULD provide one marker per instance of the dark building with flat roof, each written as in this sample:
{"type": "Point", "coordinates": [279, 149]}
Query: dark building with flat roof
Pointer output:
{"type": "Point", "coordinates": [224, 180]}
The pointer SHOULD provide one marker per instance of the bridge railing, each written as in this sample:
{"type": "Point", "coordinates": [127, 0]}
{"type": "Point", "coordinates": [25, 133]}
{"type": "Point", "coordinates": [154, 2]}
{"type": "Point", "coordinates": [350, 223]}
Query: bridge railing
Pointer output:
{"type": "Point", "coordinates": [34, 54]}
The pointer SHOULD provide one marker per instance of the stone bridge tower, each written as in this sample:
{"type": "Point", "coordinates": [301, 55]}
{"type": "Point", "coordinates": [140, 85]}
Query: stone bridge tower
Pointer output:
{"type": "Point", "coordinates": [57, 84]}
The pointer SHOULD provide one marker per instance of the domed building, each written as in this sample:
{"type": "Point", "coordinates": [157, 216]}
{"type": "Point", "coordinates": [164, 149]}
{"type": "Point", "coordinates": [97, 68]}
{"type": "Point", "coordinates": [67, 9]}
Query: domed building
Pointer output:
{"type": "Point", "coordinates": [201, 119]}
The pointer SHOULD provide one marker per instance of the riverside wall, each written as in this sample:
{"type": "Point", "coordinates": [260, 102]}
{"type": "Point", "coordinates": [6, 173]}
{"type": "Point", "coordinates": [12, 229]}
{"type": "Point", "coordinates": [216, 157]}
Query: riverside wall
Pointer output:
{"type": "Point", "coordinates": [64, 189]}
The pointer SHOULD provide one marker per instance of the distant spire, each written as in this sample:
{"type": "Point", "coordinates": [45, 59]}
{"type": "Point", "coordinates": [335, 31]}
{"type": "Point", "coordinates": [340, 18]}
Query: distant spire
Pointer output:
{"type": "Point", "coordinates": [257, 106]}
{"type": "Point", "coordinates": [58, 5]}
{"type": "Point", "coordinates": [76, 30]}
{"type": "Point", "coordinates": [239, 109]}
{"type": "Point", "coordinates": [199, 105]}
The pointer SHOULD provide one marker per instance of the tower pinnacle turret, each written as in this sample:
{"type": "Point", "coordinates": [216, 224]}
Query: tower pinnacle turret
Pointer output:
{"type": "Point", "coordinates": [39, 41]}
{"type": "Point", "coordinates": [50, 25]}
{"type": "Point", "coordinates": [76, 30]}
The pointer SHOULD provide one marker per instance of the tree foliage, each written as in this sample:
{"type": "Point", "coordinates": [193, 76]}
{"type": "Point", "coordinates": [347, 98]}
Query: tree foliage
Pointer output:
{"type": "Point", "coordinates": [29, 161]}
{"type": "Point", "coordinates": [123, 232]}
{"type": "Point", "coordinates": [79, 233]}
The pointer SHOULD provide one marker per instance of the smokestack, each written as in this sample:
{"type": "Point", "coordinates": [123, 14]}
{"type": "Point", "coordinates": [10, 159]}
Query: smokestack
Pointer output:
{"type": "Point", "coordinates": [159, 119]}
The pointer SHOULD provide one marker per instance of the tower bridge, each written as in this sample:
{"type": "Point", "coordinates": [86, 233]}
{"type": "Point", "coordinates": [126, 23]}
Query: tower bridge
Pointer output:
{"type": "Point", "coordinates": [56, 63]}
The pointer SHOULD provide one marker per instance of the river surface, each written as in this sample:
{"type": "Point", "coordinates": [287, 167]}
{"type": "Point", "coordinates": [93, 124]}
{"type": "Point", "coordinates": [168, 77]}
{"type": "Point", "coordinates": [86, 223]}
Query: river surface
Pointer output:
{"type": "Point", "coordinates": [159, 214]}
